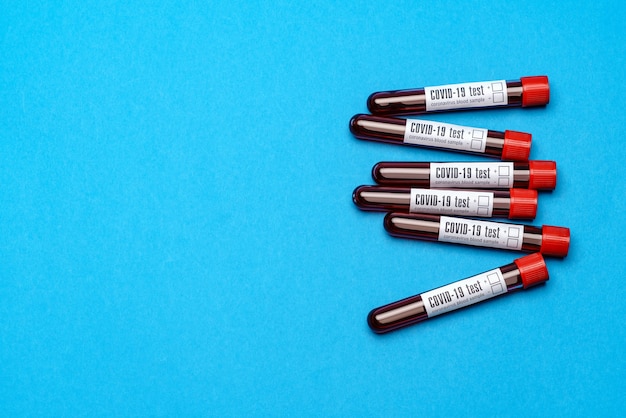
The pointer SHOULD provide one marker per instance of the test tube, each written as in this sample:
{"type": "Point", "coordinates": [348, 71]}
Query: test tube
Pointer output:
{"type": "Point", "coordinates": [512, 203]}
{"type": "Point", "coordinates": [507, 145]}
{"type": "Point", "coordinates": [525, 92]}
{"type": "Point", "coordinates": [548, 240]}
{"type": "Point", "coordinates": [521, 274]}
{"type": "Point", "coordinates": [536, 174]}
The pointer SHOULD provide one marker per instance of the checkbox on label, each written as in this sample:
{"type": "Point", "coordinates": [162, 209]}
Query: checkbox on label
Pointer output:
{"type": "Point", "coordinates": [477, 144]}
{"type": "Point", "coordinates": [478, 134]}
{"type": "Point", "coordinates": [483, 200]}
{"type": "Point", "coordinates": [513, 232]}
{"type": "Point", "coordinates": [498, 97]}
{"type": "Point", "coordinates": [495, 289]}
{"type": "Point", "coordinates": [503, 170]}
{"type": "Point", "coordinates": [497, 86]}
{"type": "Point", "coordinates": [504, 181]}
{"type": "Point", "coordinates": [493, 279]}
{"type": "Point", "coordinates": [512, 243]}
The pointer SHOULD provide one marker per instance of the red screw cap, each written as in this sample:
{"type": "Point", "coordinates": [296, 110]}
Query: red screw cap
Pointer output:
{"type": "Point", "coordinates": [533, 270]}
{"type": "Point", "coordinates": [523, 204]}
{"type": "Point", "coordinates": [554, 241]}
{"type": "Point", "coordinates": [516, 146]}
{"type": "Point", "coordinates": [542, 175]}
{"type": "Point", "coordinates": [535, 91]}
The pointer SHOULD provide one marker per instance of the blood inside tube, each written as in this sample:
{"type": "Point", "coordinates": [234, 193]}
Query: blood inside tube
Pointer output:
{"type": "Point", "coordinates": [450, 97]}
{"type": "Point", "coordinates": [440, 135]}
{"type": "Point", "coordinates": [512, 203]}
{"type": "Point", "coordinates": [476, 232]}
{"type": "Point", "coordinates": [444, 299]}
{"type": "Point", "coordinates": [537, 174]}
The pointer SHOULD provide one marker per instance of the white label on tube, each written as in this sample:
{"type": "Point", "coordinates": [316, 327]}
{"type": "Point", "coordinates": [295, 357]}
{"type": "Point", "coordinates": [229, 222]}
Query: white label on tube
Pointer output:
{"type": "Point", "coordinates": [466, 95]}
{"type": "Point", "coordinates": [445, 135]}
{"type": "Point", "coordinates": [451, 202]}
{"type": "Point", "coordinates": [481, 233]}
{"type": "Point", "coordinates": [496, 175]}
{"type": "Point", "coordinates": [464, 292]}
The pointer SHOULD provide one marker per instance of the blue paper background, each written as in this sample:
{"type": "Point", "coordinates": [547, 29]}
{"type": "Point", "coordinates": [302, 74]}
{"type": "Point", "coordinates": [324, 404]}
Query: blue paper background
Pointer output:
{"type": "Point", "coordinates": [177, 236]}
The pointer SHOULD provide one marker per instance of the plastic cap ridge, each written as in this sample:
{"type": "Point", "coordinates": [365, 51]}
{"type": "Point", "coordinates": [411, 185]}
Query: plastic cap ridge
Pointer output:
{"type": "Point", "coordinates": [542, 175]}
{"type": "Point", "coordinates": [523, 204]}
{"type": "Point", "coordinates": [535, 91]}
{"type": "Point", "coordinates": [533, 269]}
{"type": "Point", "coordinates": [554, 241]}
{"type": "Point", "coordinates": [516, 146]}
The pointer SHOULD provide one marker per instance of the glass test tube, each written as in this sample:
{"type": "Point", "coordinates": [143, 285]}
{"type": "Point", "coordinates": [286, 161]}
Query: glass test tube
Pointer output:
{"type": "Point", "coordinates": [523, 273]}
{"type": "Point", "coordinates": [525, 92]}
{"type": "Point", "coordinates": [512, 203]}
{"type": "Point", "coordinates": [548, 240]}
{"type": "Point", "coordinates": [507, 145]}
{"type": "Point", "coordinates": [536, 174]}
